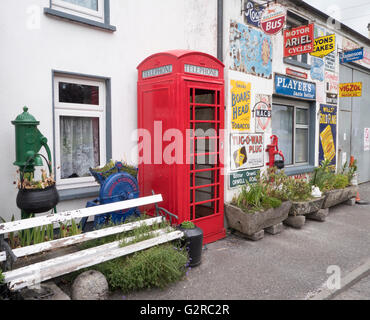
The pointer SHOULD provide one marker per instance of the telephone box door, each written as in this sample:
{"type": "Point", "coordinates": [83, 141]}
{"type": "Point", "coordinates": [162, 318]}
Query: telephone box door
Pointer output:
{"type": "Point", "coordinates": [206, 183]}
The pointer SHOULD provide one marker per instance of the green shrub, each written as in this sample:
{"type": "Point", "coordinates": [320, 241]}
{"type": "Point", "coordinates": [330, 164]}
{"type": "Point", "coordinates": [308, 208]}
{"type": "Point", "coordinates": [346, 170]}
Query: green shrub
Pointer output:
{"type": "Point", "coordinates": [341, 181]}
{"type": "Point", "coordinates": [298, 189]}
{"type": "Point", "coordinates": [187, 225]}
{"type": "Point", "coordinates": [255, 198]}
{"type": "Point", "coordinates": [1, 277]}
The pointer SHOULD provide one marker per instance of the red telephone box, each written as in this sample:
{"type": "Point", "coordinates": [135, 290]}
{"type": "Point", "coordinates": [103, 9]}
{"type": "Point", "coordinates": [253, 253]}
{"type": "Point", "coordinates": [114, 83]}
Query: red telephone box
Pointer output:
{"type": "Point", "coordinates": [181, 117]}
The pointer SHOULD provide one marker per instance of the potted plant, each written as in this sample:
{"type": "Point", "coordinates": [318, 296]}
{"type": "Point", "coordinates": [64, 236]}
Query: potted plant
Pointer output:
{"type": "Point", "coordinates": [193, 242]}
{"type": "Point", "coordinates": [304, 204]}
{"type": "Point", "coordinates": [36, 196]}
{"type": "Point", "coordinates": [336, 188]}
{"type": "Point", "coordinates": [258, 207]}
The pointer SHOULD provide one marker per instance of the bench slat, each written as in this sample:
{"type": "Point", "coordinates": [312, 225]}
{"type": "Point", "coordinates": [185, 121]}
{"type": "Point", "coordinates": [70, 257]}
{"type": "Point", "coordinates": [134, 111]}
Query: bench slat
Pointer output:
{"type": "Point", "coordinates": [65, 242]}
{"type": "Point", "coordinates": [76, 214]}
{"type": "Point", "coordinates": [43, 271]}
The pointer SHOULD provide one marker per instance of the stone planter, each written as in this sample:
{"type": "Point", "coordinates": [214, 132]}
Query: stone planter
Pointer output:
{"type": "Point", "coordinates": [336, 196]}
{"type": "Point", "coordinates": [301, 210]}
{"type": "Point", "coordinates": [252, 225]}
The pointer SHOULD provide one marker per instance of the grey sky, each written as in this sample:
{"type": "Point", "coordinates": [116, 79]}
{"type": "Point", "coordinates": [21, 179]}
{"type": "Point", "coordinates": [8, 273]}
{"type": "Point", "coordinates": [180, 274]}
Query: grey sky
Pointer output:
{"type": "Point", "coordinates": [355, 13]}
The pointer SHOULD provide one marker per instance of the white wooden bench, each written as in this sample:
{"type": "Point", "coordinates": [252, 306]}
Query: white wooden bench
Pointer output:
{"type": "Point", "coordinates": [36, 273]}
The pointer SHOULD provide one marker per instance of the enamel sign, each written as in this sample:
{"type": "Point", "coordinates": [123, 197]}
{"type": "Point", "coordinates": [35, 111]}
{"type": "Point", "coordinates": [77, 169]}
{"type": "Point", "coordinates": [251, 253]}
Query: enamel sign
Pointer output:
{"type": "Point", "coordinates": [323, 46]}
{"type": "Point", "coordinates": [353, 89]}
{"type": "Point", "coordinates": [273, 19]}
{"type": "Point", "coordinates": [246, 151]}
{"type": "Point", "coordinates": [288, 86]}
{"type": "Point", "coordinates": [298, 40]}
{"type": "Point", "coordinates": [240, 105]}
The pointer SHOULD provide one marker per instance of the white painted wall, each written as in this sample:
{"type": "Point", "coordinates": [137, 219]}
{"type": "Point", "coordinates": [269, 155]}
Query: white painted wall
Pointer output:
{"type": "Point", "coordinates": [33, 44]}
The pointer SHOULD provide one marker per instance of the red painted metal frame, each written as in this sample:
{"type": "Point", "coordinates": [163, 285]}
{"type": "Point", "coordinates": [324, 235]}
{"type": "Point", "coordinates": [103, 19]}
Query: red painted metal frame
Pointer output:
{"type": "Point", "coordinates": [166, 98]}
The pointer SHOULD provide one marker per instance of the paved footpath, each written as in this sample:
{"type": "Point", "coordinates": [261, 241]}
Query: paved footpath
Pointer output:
{"type": "Point", "coordinates": [359, 291]}
{"type": "Point", "coordinates": [290, 265]}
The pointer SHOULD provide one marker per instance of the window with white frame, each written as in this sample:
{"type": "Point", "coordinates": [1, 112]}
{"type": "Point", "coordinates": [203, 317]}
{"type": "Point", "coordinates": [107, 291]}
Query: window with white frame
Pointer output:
{"type": "Point", "coordinates": [89, 9]}
{"type": "Point", "coordinates": [79, 109]}
{"type": "Point", "coordinates": [290, 123]}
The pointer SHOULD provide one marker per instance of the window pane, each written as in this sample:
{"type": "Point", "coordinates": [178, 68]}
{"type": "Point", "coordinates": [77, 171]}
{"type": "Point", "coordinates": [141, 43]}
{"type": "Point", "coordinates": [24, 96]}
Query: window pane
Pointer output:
{"type": "Point", "coordinates": [282, 127]}
{"type": "Point", "coordinates": [90, 4]}
{"type": "Point", "coordinates": [302, 116]}
{"type": "Point", "coordinates": [79, 143]}
{"type": "Point", "coordinates": [78, 93]}
{"type": "Point", "coordinates": [301, 145]}
{"type": "Point", "coordinates": [204, 96]}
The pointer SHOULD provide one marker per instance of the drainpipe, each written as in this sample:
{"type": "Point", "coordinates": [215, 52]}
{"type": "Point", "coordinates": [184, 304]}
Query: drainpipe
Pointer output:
{"type": "Point", "coordinates": [220, 26]}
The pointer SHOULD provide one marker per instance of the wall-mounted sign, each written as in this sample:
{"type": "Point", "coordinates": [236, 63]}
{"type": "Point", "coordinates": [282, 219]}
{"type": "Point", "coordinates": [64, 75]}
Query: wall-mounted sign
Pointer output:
{"type": "Point", "coordinates": [323, 46]}
{"type": "Point", "coordinates": [246, 151]}
{"type": "Point", "coordinates": [332, 82]}
{"type": "Point", "coordinates": [296, 73]}
{"type": "Point", "coordinates": [201, 70]}
{"type": "Point", "coordinates": [366, 139]}
{"type": "Point", "coordinates": [353, 55]}
{"type": "Point", "coordinates": [262, 112]}
{"type": "Point", "coordinates": [298, 40]}
{"type": "Point", "coordinates": [328, 133]}
{"type": "Point", "coordinates": [353, 89]}
{"type": "Point", "coordinates": [288, 86]}
{"type": "Point", "coordinates": [250, 50]}
{"type": "Point", "coordinates": [331, 98]}
{"type": "Point", "coordinates": [157, 71]}
{"type": "Point", "coordinates": [273, 18]}
{"type": "Point", "coordinates": [240, 178]}
{"type": "Point", "coordinates": [252, 13]}
{"type": "Point", "coordinates": [330, 62]}
{"type": "Point", "coordinates": [317, 69]}
{"type": "Point", "coordinates": [240, 105]}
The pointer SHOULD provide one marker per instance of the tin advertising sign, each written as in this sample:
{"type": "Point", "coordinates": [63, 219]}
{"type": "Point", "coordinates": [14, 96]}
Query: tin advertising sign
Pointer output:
{"type": "Point", "coordinates": [273, 19]}
{"type": "Point", "coordinates": [262, 112]}
{"type": "Point", "coordinates": [246, 151]}
{"type": "Point", "coordinates": [241, 178]}
{"type": "Point", "coordinates": [252, 13]}
{"type": "Point", "coordinates": [353, 89]}
{"type": "Point", "coordinates": [298, 40]}
{"type": "Point", "coordinates": [323, 46]}
{"type": "Point", "coordinates": [296, 88]}
{"type": "Point", "coordinates": [328, 133]}
{"type": "Point", "coordinates": [240, 105]}
{"type": "Point", "coordinates": [353, 55]}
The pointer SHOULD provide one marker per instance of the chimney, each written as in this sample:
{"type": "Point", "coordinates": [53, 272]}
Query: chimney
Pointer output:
{"type": "Point", "coordinates": [368, 28]}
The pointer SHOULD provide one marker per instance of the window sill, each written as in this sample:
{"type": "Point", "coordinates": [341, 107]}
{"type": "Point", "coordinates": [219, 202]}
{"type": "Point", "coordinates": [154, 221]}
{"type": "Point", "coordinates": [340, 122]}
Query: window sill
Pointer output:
{"type": "Point", "coordinates": [78, 193]}
{"type": "Point", "coordinates": [290, 171]}
{"type": "Point", "coordinates": [73, 18]}
{"type": "Point", "coordinates": [297, 63]}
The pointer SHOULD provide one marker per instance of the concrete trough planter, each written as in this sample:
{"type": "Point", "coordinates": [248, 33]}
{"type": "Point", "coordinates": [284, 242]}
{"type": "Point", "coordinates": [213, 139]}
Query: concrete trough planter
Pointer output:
{"type": "Point", "coordinates": [253, 225]}
{"type": "Point", "coordinates": [301, 210]}
{"type": "Point", "coordinates": [336, 196]}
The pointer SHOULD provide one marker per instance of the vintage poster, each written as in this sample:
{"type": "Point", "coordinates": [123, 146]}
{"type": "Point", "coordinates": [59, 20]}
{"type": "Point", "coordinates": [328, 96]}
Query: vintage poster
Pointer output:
{"type": "Point", "coordinates": [330, 62]}
{"type": "Point", "coordinates": [262, 112]}
{"type": "Point", "coordinates": [298, 40]}
{"type": "Point", "coordinates": [246, 151]}
{"type": "Point", "coordinates": [332, 82]}
{"type": "Point", "coordinates": [317, 69]}
{"type": "Point", "coordinates": [241, 178]}
{"type": "Point", "coordinates": [240, 105]}
{"type": "Point", "coordinates": [328, 133]}
{"type": "Point", "coordinates": [250, 51]}
{"type": "Point", "coordinates": [353, 89]}
{"type": "Point", "coordinates": [366, 139]}
{"type": "Point", "coordinates": [351, 55]}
